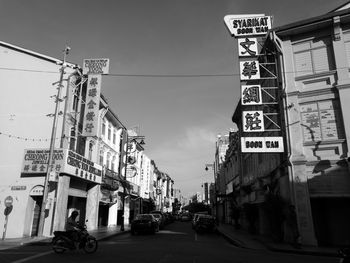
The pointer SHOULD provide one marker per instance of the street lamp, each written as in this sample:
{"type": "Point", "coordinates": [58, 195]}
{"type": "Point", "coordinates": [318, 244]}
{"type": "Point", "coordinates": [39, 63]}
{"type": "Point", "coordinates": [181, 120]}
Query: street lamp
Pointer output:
{"type": "Point", "coordinates": [129, 139]}
{"type": "Point", "coordinates": [212, 165]}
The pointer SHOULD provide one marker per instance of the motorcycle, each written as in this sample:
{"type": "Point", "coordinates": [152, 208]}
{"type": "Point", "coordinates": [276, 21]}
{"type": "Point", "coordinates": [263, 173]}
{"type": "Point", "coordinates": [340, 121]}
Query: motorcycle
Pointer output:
{"type": "Point", "coordinates": [62, 241]}
{"type": "Point", "coordinates": [205, 224]}
{"type": "Point", "coordinates": [344, 254]}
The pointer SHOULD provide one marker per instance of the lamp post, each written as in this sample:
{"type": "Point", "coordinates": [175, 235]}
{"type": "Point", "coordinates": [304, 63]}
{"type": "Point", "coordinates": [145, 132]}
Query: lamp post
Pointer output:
{"type": "Point", "coordinates": [215, 185]}
{"type": "Point", "coordinates": [128, 140]}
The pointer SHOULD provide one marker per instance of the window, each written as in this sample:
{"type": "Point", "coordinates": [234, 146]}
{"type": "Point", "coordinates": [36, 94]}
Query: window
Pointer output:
{"type": "Point", "coordinates": [347, 46]}
{"type": "Point", "coordinates": [313, 56]}
{"type": "Point", "coordinates": [108, 163]}
{"type": "Point", "coordinates": [103, 127]}
{"type": "Point", "coordinates": [72, 139]}
{"type": "Point", "coordinates": [321, 120]}
{"type": "Point", "coordinates": [91, 144]}
{"type": "Point", "coordinates": [114, 137]}
{"type": "Point", "coordinates": [100, 161]}
{"type": "Point", "coordinates": [109, 132]}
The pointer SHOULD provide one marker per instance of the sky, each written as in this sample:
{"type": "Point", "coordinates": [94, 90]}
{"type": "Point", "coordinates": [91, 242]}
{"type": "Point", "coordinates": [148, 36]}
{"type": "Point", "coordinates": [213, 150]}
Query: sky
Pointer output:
{"type": "Point", "coordinates": [173, 64]}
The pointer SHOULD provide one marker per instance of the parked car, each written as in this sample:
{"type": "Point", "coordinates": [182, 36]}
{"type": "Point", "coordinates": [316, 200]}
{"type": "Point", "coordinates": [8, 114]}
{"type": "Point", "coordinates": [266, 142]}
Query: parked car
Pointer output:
{"type": "Point", "coordinates": [144, 223]}
{"type": "Point", "coordinates": [160, 220]}
{"type": "Point", "coordinates": [185, 217]}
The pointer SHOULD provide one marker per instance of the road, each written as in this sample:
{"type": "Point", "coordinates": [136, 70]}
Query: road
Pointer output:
{"type": "Point", "coordinates": [177, 243]}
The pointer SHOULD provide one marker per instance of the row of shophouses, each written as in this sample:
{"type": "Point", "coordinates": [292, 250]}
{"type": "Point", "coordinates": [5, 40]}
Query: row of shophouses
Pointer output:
{"type": "Point", "coordinates": [107, 177]}
{"type": "Point", "coordinates": [303, 193]}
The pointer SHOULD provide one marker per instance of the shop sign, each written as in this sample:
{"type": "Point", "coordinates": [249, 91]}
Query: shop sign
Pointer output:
{"type": "Point", "coordinates": [83, 168]}
{"type": "Point", "coordinates": [247, 47]}
{"type": "Point", "coordinates": [37, 190]}
{"type": "Point", "coordinates": [92, 105]}
{"type": "Point", "coordinates": [253, 121]}
{"type": "Point", "coordinates": [36, 161]}
{"type": "Point", "coordinates": [131, 171]}
{"type": "Point", "coordinates": [18, 188]}
{"type": "Point", "coordinates": [96, 66]}
{"type": "Point", "coordinates": [249, 69]}
{"type": "Point", "coordinates": [251, 95]}
{"type": "Point", "coordinates": [262, 144]}
{"type": "Point", "coordinates": [248, 25]}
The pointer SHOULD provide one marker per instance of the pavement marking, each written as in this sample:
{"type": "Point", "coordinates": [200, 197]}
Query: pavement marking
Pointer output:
{"type": "Point", "coordinates": [32, 257]}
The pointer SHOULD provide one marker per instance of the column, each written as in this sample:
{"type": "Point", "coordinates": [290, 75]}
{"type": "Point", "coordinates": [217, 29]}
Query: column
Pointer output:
{"type": "Point", "coordinates": [92, 202]}
{"type": "Point", "coordinates": [61, 203]}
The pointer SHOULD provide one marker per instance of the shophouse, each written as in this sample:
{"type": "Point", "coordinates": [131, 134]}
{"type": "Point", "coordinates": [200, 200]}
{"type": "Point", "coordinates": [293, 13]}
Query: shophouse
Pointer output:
{"type": "Point", "coordinates": [314, 59]}
{"type": "Point", "coordinates": [27, 122]}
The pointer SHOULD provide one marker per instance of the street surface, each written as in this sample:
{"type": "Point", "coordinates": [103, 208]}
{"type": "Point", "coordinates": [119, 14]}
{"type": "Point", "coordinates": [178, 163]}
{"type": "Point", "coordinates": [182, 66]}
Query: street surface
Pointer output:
{"type": "Point", "coordinates": [177, 243]}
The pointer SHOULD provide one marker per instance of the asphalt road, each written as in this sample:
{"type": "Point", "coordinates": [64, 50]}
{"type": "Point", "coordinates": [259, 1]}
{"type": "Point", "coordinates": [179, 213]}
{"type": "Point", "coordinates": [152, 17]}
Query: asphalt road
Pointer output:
{"type": "Point", "coordinates": [176, 243]}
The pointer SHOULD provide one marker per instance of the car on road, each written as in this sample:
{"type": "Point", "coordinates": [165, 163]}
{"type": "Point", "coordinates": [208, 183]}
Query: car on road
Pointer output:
{"type": "Point", "coordinates": [144, 223]}
{"type": "Point", "coordinates": [185, 217]}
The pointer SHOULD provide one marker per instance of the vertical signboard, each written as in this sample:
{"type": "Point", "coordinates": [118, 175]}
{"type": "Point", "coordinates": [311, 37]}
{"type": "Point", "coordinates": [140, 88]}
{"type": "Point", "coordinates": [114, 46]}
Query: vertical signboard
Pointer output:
{"type": "Point", "coordinates": [92, 104]}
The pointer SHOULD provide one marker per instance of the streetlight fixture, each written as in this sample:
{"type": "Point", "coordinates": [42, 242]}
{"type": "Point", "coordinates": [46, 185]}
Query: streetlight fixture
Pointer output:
{"type": "Point", "coordinates": [212, 165]}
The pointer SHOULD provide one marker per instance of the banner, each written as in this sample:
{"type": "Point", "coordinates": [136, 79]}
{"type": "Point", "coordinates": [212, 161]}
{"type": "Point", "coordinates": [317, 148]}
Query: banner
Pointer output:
{"type": "Point", "coordinates": [92, 104]}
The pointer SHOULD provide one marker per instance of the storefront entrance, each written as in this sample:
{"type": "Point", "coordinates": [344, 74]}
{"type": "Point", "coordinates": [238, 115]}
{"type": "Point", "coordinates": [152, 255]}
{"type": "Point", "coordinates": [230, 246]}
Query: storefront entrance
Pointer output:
{"type": "Point", "coordinates": [36, 214]}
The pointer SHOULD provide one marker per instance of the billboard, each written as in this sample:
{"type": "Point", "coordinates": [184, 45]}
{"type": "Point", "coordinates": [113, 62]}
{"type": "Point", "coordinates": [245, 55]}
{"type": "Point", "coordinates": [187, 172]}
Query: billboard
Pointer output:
{"type": "Point", "coordinates": [96, 66]}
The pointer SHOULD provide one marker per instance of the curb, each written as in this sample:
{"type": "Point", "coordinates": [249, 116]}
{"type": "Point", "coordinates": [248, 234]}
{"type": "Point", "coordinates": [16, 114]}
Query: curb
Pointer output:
{"type": "Point", "coordinates": [240, 244]}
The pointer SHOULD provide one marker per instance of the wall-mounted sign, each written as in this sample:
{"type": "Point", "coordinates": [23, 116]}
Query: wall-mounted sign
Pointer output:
{"type": "Point", "coordinates": [65, 161]}
{"type": "Point", "coordinates": [249, 70]}
{"type": "Point", "coordinates": [96, 66]}
{"type": "Point", "coordinates": [247, 47]}
{"type": "Point", "coordinates": [251, 95]}
{"type": "Point", "coordinates": [247, 25]}
{"type": "Point", "coordinates": [18, 188]}
{"type": "Point", "coordinates": [36, 160]}
{"type": "Point", "coordinates": [262, 144]}
{"type": "Point", "coordinates": [253, 121]}
{"type": "Point", "coordinates": [81, 167]}
{"type": "Point", "coordinates": [37, 190]}
{"type": "Point", "coordinates": [92, 105]}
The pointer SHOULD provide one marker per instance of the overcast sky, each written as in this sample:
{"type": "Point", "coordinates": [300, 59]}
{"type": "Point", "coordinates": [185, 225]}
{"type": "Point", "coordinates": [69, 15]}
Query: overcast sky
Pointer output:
{"type": "Point", "coordinates": [146, 41]}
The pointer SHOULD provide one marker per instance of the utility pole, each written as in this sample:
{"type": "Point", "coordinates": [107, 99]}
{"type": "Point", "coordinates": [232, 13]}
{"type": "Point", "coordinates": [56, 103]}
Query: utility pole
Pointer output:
{"type": "Point", "coordinates": [52, 145]}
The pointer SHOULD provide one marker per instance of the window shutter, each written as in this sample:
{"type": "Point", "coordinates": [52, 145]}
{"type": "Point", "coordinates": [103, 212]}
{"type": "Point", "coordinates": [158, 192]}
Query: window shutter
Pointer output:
{"type": "Point", "coordinates": [322, 59]}
{"type": "Point", "coordinates": [347, 51]}
{"type": "Point", "coordinates": [303, 65]}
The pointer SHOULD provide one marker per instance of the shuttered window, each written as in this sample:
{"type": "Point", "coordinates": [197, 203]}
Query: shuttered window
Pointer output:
{"type": "Point", "coordinates": [313, 56]}
{"type": "Point", "coordinates": [347, 46]}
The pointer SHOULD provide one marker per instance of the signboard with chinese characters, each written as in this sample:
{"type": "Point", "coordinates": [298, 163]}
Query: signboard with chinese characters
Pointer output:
{"type": "Point", "coordinates": [249, 70]}
{"type": "Point", "coordinates": [96, 66]}
{"type": "Point", "coordinates": [262, 144]}
{"type": "Point", "coordinates": [81, 167]}
{"type": "Point", "coordinates": [253, 121]}
{"type": "Point", "coordinates": [92, 104]}
{"type": "Point", "coordinates": [247, 25]}
{"type": "Point", "coordinates": [247, 47]}
{"type": "Point", "coordinates": [35, 161]}
{"type": "Point", "coordinates": [64, 161]}
{"type": "Point", "coordinates": [251, 95]}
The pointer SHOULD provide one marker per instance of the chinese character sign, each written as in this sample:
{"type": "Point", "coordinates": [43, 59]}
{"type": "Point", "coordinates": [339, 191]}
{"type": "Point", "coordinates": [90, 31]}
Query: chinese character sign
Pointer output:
{"type": "Point", "coordinates": [247, 47]}
{"type": "Point", "coordinates": [253, 121]}
{"type": "Point", "coordinates": [251, 95]}
{"type": "Point", "coordinates": [92, 103]}
{"type": "Point", "coordinates": [249, 70]}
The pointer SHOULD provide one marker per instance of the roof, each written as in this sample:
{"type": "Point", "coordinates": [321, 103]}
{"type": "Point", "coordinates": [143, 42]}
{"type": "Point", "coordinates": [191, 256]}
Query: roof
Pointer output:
{"type": "Point", "coordinates": [325, 19]}
{"type": "Point", "coordinates": [35, 54]}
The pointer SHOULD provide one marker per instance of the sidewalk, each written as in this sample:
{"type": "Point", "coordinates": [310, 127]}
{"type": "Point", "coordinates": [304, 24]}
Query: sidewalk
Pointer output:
{"type": "Point", "coordinates": [100, 234]}
{"type": "Point", "coordinates": [242, 238]}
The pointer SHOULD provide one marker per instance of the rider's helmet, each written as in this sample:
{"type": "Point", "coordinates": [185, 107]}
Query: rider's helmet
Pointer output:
{"type": "Point", "coordinates": [74, 213]}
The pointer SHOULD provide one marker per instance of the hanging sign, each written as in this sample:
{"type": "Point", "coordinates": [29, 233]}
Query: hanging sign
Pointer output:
{"type": "Point", "coordinates": [248, 25]}
{"type": "Point", "coordinates": [247, 47]}
{"type": "Point", "coordinates": [262, 144]}
{"type": "Point", "coordinates": [92, 106]}
{"type": "Point", "coordinates": [249, 70]}
{"type": "Point", "coordinates": [253, 121]}
{"type": "Point", "coordinates": [96, 66]}
{"type": "Point", "coordinates": [251, 95]}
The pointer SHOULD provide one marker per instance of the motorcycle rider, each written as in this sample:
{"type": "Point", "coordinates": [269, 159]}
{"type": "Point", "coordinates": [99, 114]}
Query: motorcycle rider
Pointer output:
{"type": "Point", "coordinates": [72, 227]}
